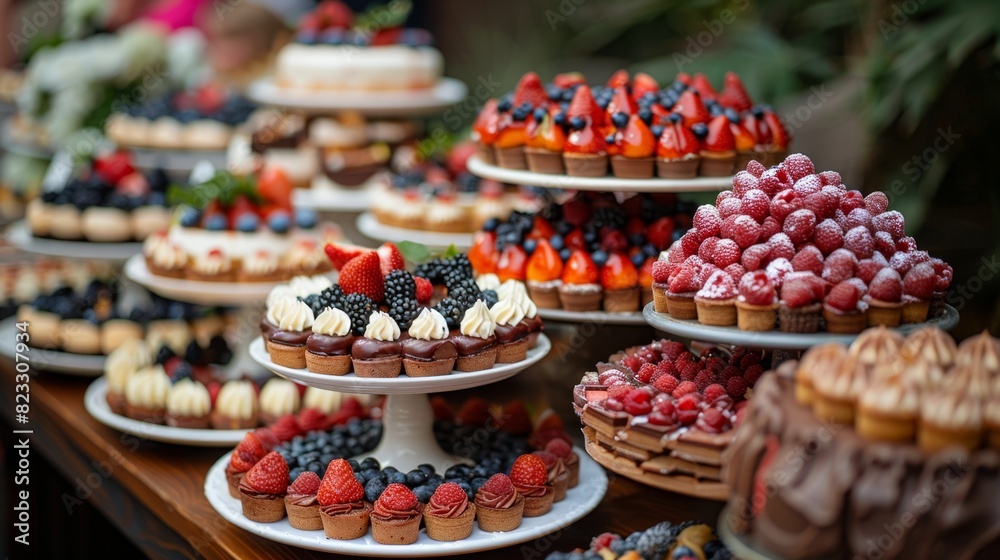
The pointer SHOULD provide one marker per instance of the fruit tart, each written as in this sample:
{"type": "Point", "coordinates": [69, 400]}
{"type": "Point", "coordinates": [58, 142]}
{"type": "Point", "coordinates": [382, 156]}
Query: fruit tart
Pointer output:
{"type": "Point", "coordinates": [396, 517]}
{"type": "Point", "coordinates": [263, 488]}
{"type": "Point", "coordinates": [476, 341]}
{"type": "Point", "coordinates": [344, 513]}
{"type": "Point", "coordinates": [499, 507]}
{"type": "Point", "coordinates": [634, 146]}
{"type": "Point", "coordinates": [585, 154]}
{"type": "Point", "coordinates": [529, 476]}
{"type": "Point", "coordinates": [581, 289]}
{"type": "Point", "coordinates": [449, 514]}
{"type": "Point", "coordinates": [718, 147]}
{"type": "Point", "coordinates": [543, 275]}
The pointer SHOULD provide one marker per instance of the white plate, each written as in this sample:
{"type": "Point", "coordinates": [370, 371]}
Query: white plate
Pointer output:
{"type": "Point", "coordinates": [446, 93]}
{"type": "Point", "coordinates": [324, 196]}
{"type": "Point", "coordinates": [597, 318]}
{"type": "Point", "coordinates": [176, 161]}
{"type": "Point", "coordinates": [39, 359]}
{"type": "Point", "coordinates": [369, 226]}
{"type": "Point", "coordinates": [401, 385]}
{"type": "Point", "coordinates": [694, 330]}
{"type": "Point", "coordinates": [579, 502]}
{"type": "Point", "coordinates": [19, 235]}
{"type": "Point", "coordinates": [96, 404]}
{"type": "Point", "coordinates": [608, 183]}
{"type": "Point", "coordinates": [226, 294]}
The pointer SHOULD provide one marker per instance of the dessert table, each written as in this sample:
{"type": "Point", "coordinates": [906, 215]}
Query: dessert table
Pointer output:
{"type": "Point", "coordinates": [154, 494]}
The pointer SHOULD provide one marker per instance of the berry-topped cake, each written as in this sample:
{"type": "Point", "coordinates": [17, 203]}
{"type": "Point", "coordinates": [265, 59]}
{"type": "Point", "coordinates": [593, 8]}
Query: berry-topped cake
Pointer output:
{"type": "Point", "coordinates": [887, 448]}
{"type": "Point", "coordinates": [663, 541]}
{"type": "Point", "coordinates": [338, 50]}
{"type": "Point", "coordinates": [630, 125]}
{"type": "Point", "coordinates": [239, 229]}
{"type": "Point", "coordinates": [105, 200]}
{"type": "Point", "coordinates": [203, 118]}
{"type": "Point", "coordinates": [586, 254]}
{"type": "Point", "coordinates": [664, 414]}
{"type": "Point", "coordinates": [381, 320]}
{"type": "Point", "coordinates": [802, 253]}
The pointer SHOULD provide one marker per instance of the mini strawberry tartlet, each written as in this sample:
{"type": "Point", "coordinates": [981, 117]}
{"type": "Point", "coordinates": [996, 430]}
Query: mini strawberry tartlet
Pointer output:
{"type": "Point", "coordinates": [756, 302]}
{"type": "Point", "coordinates": [543, 275]}
{"type": "Point", "coordinates": [530, 478]}
{"type": "Point", "coordinates": [661, 279]}
{"type": "Point", "coordinates": [718, 147]}
{"type": "Point", "coordinates": [301, 502]}
{"type": "Point", "coordinates": [918, 289]}
{"type": "Point", "coordinates": [581, 288]}
{"type": "Point", "coordinates": [635, 147]}
{"type": "Point", "coordinates": [684, 284]}
{"type": "Point", "coordinates": [801, 305]}
{"type": "Point", "coordinates": [449, 515]}
{"type": "Point", "coordinates": [485, 130]}
{"type": "Point", "coordinates": [342, 509]}
{"type": "Point", "coordinates": [677, 152]}
{"type": "Point", "coordinates": [843, 310]}
{"type": "Point", "coordinates": [262, 490]}
{"type": "Point", "coordinates": [545, 143]}
{"type": "Point", "coordinates": [716, 300]}
{"type": "Point", "coordinates": [558, 474]}
{"type": "Point", "coordinates": [586, 152]}
{"type": "Point", "coordinates": [396, 516]}
{"type": "Point", "coordinates": [620, 281]}
{"type": "Point", "coordinates": [499, 506]}
{"type": "Point", "coordinates": [562, 449]}
{"type": "Point", "coordinates": [246, 455]}
{"type": "Point", "coordinates": [885, 299]}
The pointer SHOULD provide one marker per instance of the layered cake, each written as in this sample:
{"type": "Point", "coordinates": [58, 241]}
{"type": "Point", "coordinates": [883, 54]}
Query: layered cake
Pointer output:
{"type": "Point", "coordinates": [663, 416]}
{"type": "Point", "coordinates": [883, 449]}
{"type": "Point", "coordinates": [803, 254]}
{"type": "Point", "coordinates": [630, 127]}
{"type": "Point", "coordinates": [338, 50]}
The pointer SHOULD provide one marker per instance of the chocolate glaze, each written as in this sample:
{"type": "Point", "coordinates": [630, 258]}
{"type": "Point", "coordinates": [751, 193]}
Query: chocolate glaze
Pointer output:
{"type": "Point", "coordinates": [291, 338]}
{"type": "Point", "coordinates": [428, 350]}
{"type": "Point", "coordinates": [469, 345]}
{"type": "Point", "coordinates": [534, 324]}
{"type": "Point", "coordinates": [267, 330]}
{"type": "Point", "coordinates": [369, 349]}
{"type": "Point", "coordinates": [326, 345]}
{"type": "Point", "coordinates": [822, 491]}
{"type": "Point", "coordinates": [511, 333]}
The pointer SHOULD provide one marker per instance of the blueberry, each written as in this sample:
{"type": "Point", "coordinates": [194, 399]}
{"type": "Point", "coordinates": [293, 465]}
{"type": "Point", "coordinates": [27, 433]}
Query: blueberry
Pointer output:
{"type": "Point", "coordinates": [699, 129]}
{"type": "Point", "coordinates": [216, 222]}
{"type": "Point", "coordinates": [650, 250]}
{"type": "Point", "coordinates": [156, 198]}
{"type": "Point", "coordinates": [758, 111]}
{"type": "Point", "coordinates": [603, 101]}
{"type": "Point", "coordinates": [189, 216]}
{"type": "Point", "coordinates": [504, 104]}
{"type": "Point", "coordinates": [732, 115]}
{"type": "Point", "coordinates": [374, 489]}
{"type": "Point", "coordinates": [676, 235]}
{"type": "Point", "coordinates": [564, 254]}
{"type": "Point", "coordinates": [560, 118]}
{"type": "Point", "coordinates": [305, 218]}
{"type": "Point", "coordinates": [371, 473]}
{"type": "Point", "coordinates": [553, 92]}
{"type": "Point", "coordinates": [637, 239]}
{"type": "Point", "coordinates": [564, 228]}
{"type": "Point", "coordinates": [428, 469]}
{"type": "Point", "coordinates": [477, 483]}
{"type": "Point", "coordinates": [620, 119]}
{"type": "Point", "coordinates": [416, 478]}
{"type": "Point", "coordinates": [714, 110]}
{"type": "Point", "coordinates": [370, 463]}
{"type": "Point", "coordinates": [657, 130]}
{"type": "Point", "coordinates": [557, 242]}
{"type": "Point", "coordinates": [468, 489]}
{"type": "Point", "coordinates": [247, 222]}
{"type": "Point", "coordinates": [577, 123]}
{"type": "Point", "coordinates": [540, 114]}
{"type": "Point", "coordinates": [684, 552]}
{"type": "Point", "coordinates": [360, 478]}
{"type": "Point", "coordinates": [279, 221]}
{"type": "Point", "coordinates": [529, 246]}
{"type": "Point", "coordinates": [434, 481]}
{"type": "Point", "coordinates": [609, 139]}
{"type": "Point", "coordinates": [710, 548]}
{"type": "Point", "coordinates": [667, 101]}
{"type": "Point", "coordinates": [675, 118]}
{"type": "Point", "coordinates": [423, 493]}
{"type": "Point", "coordinates": [567, 94]}
{"type": "Point", "coordinates": [491, 224]}
{"type": "Point", "coordinates": [354, 464]}
{"type": "Point", "coordinates": [317, 468]}
{"type": "Point", "coordinates": [396, 478]}
{"type": "Point", "coordinates": [638, 259]}
{"type": "Point", "coordinates": [646, 115]}
{"type": "Point", "coordinates": [294, 473]}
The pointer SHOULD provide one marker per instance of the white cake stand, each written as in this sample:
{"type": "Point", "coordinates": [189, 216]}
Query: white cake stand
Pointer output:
{"type": "Point", "coordinates": [369, 226]}
{"type": "Point", "coordinates": [407, 434]}
{"type": "Point", "coordinates": [608, 183]}
{"type": "Point", "coordinates": [596, 318]}
{"type": "Point", "coordinates": [40, 359]}
{"type": "Point", "coordinates": [409, 103]}
{"type": "Point", "coordinates": [19, 235]}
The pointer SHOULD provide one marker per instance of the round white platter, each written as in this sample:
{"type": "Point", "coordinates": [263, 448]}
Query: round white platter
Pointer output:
{"type": "Point", "coordinates": [96, 404]}
{"type": "Point", "coordinates": [446, 93]}
{"type": "Point", "coordinates": [608, 183]}
{"type": "Point", "coordinates": [19, 235]}
{"type": "Point", "coordinates": [40, 359]}
{"type": "Point", "coordinates": [579, 502]}
{"type": "Point", "coordinates": [694, 330]}
{"type": "Point", "coordinates": [597, 318]}
{"type": "Point", "coordinates": [369, 226]}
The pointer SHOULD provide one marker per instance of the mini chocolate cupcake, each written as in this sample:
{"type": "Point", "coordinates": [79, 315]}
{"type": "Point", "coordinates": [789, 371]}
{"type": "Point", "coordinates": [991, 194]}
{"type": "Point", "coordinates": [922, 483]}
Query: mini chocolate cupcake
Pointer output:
{"type": "Point", "coordinates": [342, 509]}
{"type": "Point", "coordinates": [498, 505]}
{"type": "Point", "coordinates": [511, 331]}
{"type": "Point", "coordinates": [396, 516]}
{"type": "Point", "coordinates": [301, 503]}
{"type": "Point", "coordinates": [328, 348]}
{"type": "Point", "coordinates": [428, 351]}
{"type": "Point", "coordinates": [288, 344]}
{"type": "Point", "coordinates": [262, 490]}
{"type": "Point", "coordinates": [188, 405]}
{"type": "Point", "coordinates": [475, 341]}
{"type": "Point", "coordinates": [530, 477]}
{"type": "Point", "coordinates": [449, 515]}
{"type": "Point", "coordinates": [378, 353]}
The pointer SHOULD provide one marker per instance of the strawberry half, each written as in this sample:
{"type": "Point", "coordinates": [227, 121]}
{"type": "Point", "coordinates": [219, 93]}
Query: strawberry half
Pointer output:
{"type": "Point", "coordinates": [720, 137]}
{"type": "Point", "coordinates": [544, 264]}
{"type": "Point", "coordinates": [363, 275]}
{"type": "Point", "coordinates": [529, 470]}
{"type": "Point", "coordinates": [619, 273]}
{"type": "Point", "coordinates": [733, 94]}
{"type": "Point", "coordinates": [249, 451]}
{"type": "Point", "coordinates": [689, 105]}
{"type": "Point", "coordinates": [580, 269]}
{"type": "Point", "coordinates": [584, 106]}
{"type": "Point", "coordinates": [397, 497]}
{"type": "Point", "coordinates": [569, 79]}
{"type": "Point", "coordinates": [269, 475]}
{"type": "Point", "coordinates": [339, 254]}
{"type": "Point", "coordinates": [701, 84]}
{"type": "Point", "coordinates": [618, 79]}
{"type": "Point", "coordinates": [642, 84]}
{"type": "Point", "coordinates": [530, 90]}
{"type": "Point", "coordinates": [390, 258]}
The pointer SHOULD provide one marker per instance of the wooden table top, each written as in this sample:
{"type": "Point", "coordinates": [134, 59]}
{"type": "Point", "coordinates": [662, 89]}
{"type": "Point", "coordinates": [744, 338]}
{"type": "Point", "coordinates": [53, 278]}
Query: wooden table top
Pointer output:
{"type": "Point", "coordinates": [154, 492]}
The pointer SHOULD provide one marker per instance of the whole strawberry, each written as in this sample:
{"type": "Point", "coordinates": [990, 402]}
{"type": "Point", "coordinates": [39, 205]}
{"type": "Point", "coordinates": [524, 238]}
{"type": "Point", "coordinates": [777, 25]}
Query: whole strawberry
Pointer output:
{"type": "Point", "coordinates": [363, 275]}
{"type": "Point", "coordinates": [339, 486]}
{"type": "Point", "coordinates": [307, 484]}
{"type": "Point", "coordinates": [269, 475]}
{"type": "Point", "coordinates": [528, 472]}
{"type": "Point", "coordinates": [247, 453]}
{"type": "Point", "coordinates": [397, 497]}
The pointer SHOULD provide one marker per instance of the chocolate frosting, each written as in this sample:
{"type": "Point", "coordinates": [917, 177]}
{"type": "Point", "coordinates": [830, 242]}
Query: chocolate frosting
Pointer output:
{"type": "Point", "coordinates": [531, 490]}
{"type": "Point", "coordinates": [439, 509]}
{"type": "Point", "coordinates": [369, 349]}
{"type": "Point", "coordinates": [385, 514]}
{"type": "Point", "coordinates": [337, 509]}
{"type": "Point", "coordinates": [469, 345]}
{"type": "Point", "coordinates": [511, 333]}
{"type": "Point", "coordinates": [250, 491]}
{"type": "Point", "coordinates": [428, 350]}
{"type": "Point", "coordinates": [304, 500]}
{"type": "Point", "coordinates": [326, 345]}
{"type": "Point", "coordinates": [267, 330]}
{"type": "Point", "coordinates": [291, 338]}
{"type": "Point", "coordinates": [488, 499]}
{"type": "Point", "coordinates": [534, 324]}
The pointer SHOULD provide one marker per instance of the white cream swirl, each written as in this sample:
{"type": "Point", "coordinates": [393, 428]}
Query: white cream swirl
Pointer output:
{"type": "Point", "coordinates": [478, 322]}
{"type": "Point", "coordinates": [131, 356]}
{"type": "Point", "coordinates": [148, 388]}
{"type": "Point", "coordinates": [169, 257]}
{"type": "Point", "coordinates": [296, 317]}
{"type": "Point", "coordinates": [519, 293]}
{"type": "Point", "coordinates": [237, 400]}
{"type": "Point", "coordinates": [506, 289]}
{"type": "Point", "coordinates": [260, 263]}
{"type": "Point", "coordinates": [278, 292]}
{"type": "Point", "coordinates": [507, 312]}
{"type": "Point", "coordinates": [279, 397]}
{"type": "Point", "coordinates": [322, 400]}
{"type": "Point", "coordinates": [211, 264]}
{"type": "Point", "coordinates": [382, 327]}
{"type": "Point", "coordinates": [189, 398]}
{"type": "Point", "coordinates": [429, 325]}
{"type": "Point", "coordinates": [152, 243]}
{"type": "Point", "coordinates": [488, 281]}
{"type": "Point", "coordinates": [277, 308]}
{"type": "Point", "coordinates": [303, 286]}
{"type": "Point", "coordinates": [332, 322]}
{"type": "Point", "coordinates": [26, 288]}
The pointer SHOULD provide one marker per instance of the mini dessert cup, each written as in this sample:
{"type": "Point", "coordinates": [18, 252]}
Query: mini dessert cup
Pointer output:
{"type": "Point", "coordinates": [233, 479]}
{"type": "Point", "coordinates": [586, 165]}
{"type": "Point", "coordinates": [720, 313]}
{"type": "Point", "coordinates": [806, 319]}
{"type": "Point", "coordinates": [838, 322]}
{"type": "Point", "coordinates": [751, 317]}
{"type": "Point", "coordinates": [683, 168]}
{"type": "Point", "coordinates": [632, 168]}
{"type": "Point", "coordinates": [287, 355]}
{"type": "Point", "coordinates": [645, 296]}
{"type": "Point", "coordinates": [450, 529]}
{"type": "Point", "coordinates": [511, 158]}
{"type": "Point", "coordinates": [513, 351]}
{"type": "Point", "coordinates": [428, 368]}
{"type": "Point", "coordinates": [915, 311]}
{"type": "Point", "coordinates": [560, 486]}
{"type": "Point", "coordinates": [932, 437]}
{"type": "Point", "coordinates": [950, 420]}
{"type": "Point", "coordinates": [545, 294]}
{"type": "Point", "coordinates": [386, 367]}
{"type": "Point", "coordinates": [717, 164]}
{"type": "Point", "coordinates": [536, 506]}
{"type": "Point", "coordinates": [621, 301]}
{"type": "Point", "coordinates": [580, 297]}
{"type": "Point", "coordinates": [79, 336]}
{"type": "Point", "coordinates": [885, 426]}
{"type": "Point", "coordinates": [479, 361]}
{"type": "Point", "coordinates": [396, 531]}
{"type": "Point", "coordinates": [541, 160]}
{"type": "Point", "coordinates": [884, 313]}
{"type": "Point", "coordinates": [837, 410]}
{"type": "Point", "coordinates": [346, 526]}
{"type": "Point", "coordinates": [328, 365]}
{"type": "Point", "coordinates": [682, 306]}
{"type": "Point", "coordinates": [486, 153]}
{"type": "Point", "coordinates": [494, 520]}
{"type": "Point", "coordinates": [262, 508]}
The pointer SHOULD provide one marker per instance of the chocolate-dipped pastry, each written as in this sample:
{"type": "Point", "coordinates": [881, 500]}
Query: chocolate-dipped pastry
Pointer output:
{"type": "Point", "coordinates": [428, 351]}
{"type": "Point", "coordinates": [287, 345]}
{"type": "Point", "coordinates": [328, 348]}
{"type": "Point", "coordinates": [378, 353]}
{"type": "Point", "coordinates": [475, 340]}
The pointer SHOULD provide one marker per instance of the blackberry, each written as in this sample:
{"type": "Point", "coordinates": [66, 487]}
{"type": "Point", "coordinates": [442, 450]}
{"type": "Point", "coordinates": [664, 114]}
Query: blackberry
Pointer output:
{"type": "Point", "coordinates": [631, 542]}
{"type": "Point", "coordinates": [437, 269]}
{"type": "Point", "coordinates": [314, 303]}
{"type": "Point", "coordinates": [656, 541]}
{"type": "Point", "coordinates": [465, 292]}
{"type": "Point", "coordinates": [332, 297]}
{"type": "Point", "coordinates": [358, 307]}
{"type": "Point", "coordinates": [399, 285]}
{"type": "Point", "coordinates": [490, 298]}
{"type": "Point", "coordinates": [452, 310]}
{"type": "Point", "coordinates": [404, 311]}
{"type": "Point", "coordinates": [609, 216]}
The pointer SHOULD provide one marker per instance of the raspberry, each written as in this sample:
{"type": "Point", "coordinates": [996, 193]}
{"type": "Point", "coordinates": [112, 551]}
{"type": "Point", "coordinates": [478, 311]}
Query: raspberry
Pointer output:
{"type": "Point", "coordinates": [851, 200]}
{"type": "Point", "coordinates": [823, 204]}
{"type": "Point", "coordinates": [687, 417]}
{"type": "Point", "coordinates": [559, 448]}
{"type": "Point", "coordinates": [743, 182]}
{"type": "Point", "coordinates": [859, 217]}
{"type": "Point", "coordinates": [724, 195]}
{"type": "Point", "coordinates": [752, 374]}
{"type": "Point", "coordinates": [736, 387]}
{"type": "Point", "coordinates": [675, 254]}
{"type": "Point", "coordinates": [828, 236]}
{"type": "Point", "coordinates": [841, 219]}
{"type": "Point", "coordinates": [755, 256]}
{"type": "Point", "coordinates": [715, 364]}
{"type": "Point", "coordinates": [688, 370]}
{"type": "Point", "coordinates": [876, 202]}
{"type": "Point", "coordinates": [867, 269]}
{"type": "Point", "coordinates": [808, 259]}
{"type": "Point", "coordinates": [712, 420]}
{"type": "Point", "coordinates": [726, 252]}
{"type": "Point", "coordinates": [891, 222]}
{"type": "Point", "coordinates": [684, 280]}
{"type": "Point", "coordinates": [884, 243]}
{"type": "Point", "coordinates": [756, 204]}
{"type": "Point", "coordinates": [713, 392]}
{"type": "Point", "coordinates": [499, 484]}
{"type": "Point", "coordinates": [886, 286]}
{"type": "Point", "coordinates": [661, 271]}
{"type": "Point", "coordinates": [619, 391]}
{"type": "Point", "coordinates": [808, 185]}
{"type": "Point", "coordinates": [770, 183]}
{"type": "Point", "coordinates": [844, 296]}
{"type": "Point", "coordinates": [784, 203]}
{"type": "Point", "coordinates": [689, 401]}
{"type": "Point", "coordinates": [746, 231]}
{"type": "Point", "coordinates": [769, 227]}
{"type": "Point", "coordinates": [704, 379]}
{"type": "Point", "coordinates": [269, 475]}
{"type": "Point", "coordinates": [798, 166]}
{"type": "Point", "coordinates": [777, 269]}
{"type": "Point", "coordinates": [707, 249]}
{"type": "Point", "coordinates": [839, 266]}
{"type": "Point", "coordinates": [756, 288]}
{"type": "Point", "coordinates": [801, 291]}
{"type": "Point", "coordinates": [452, 493]}
{"type": "Point", "coordinates": [614, 405]}
{"type": "Point", "coordinates": [906, 244]}
{"type": "Point", "coordinates": [799, 225]}
{"type": "Point", "coordinates": [603, 541]}
{"type": "Point", "coordinates": [607, 375]}
{"type": "Point", "coordinates": [645, 373]}
{"type": "Point", "coordinates": [665, 367]}
{"type": "Point", "coordinates": [859, 284]}
{"type": "Point", "coordinates": [781, 246]}
{"type": "Point", "coordinates": [735, 271]}
{"type": "Point", "coordinates": [528, 470]}
{"type": "Point", "coordinates": [901, 262]}
{"type": "Point", "coordinates": [690, 242]}
{"type": "Point", "coordinates": [749, 359]}
{"type": "Point", "coordinates": [307, 484]}
{"type": "Point", "coordinates": [755, 168]}
{"type": "Point", "coordinates": [666, 383]}
{"type": "Point", "coordinates": [637, 402]}
{"type": "Point", "coordinates": [730, 207]}
{"type": "Point", "coordinates": [829, 178]}
{"type": "Point", "coordinates": [859, 241]}
{"type": "Point", "coordinates": [685, 388]}
{"type": "Point", "coordinates": [424, 289]}
{"type": "Point", "coordinates": [944, 279]}
{"type": "Point", "coordinates": [707, 221]}
{"type": "Point", "coordinates": [397, 497]}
